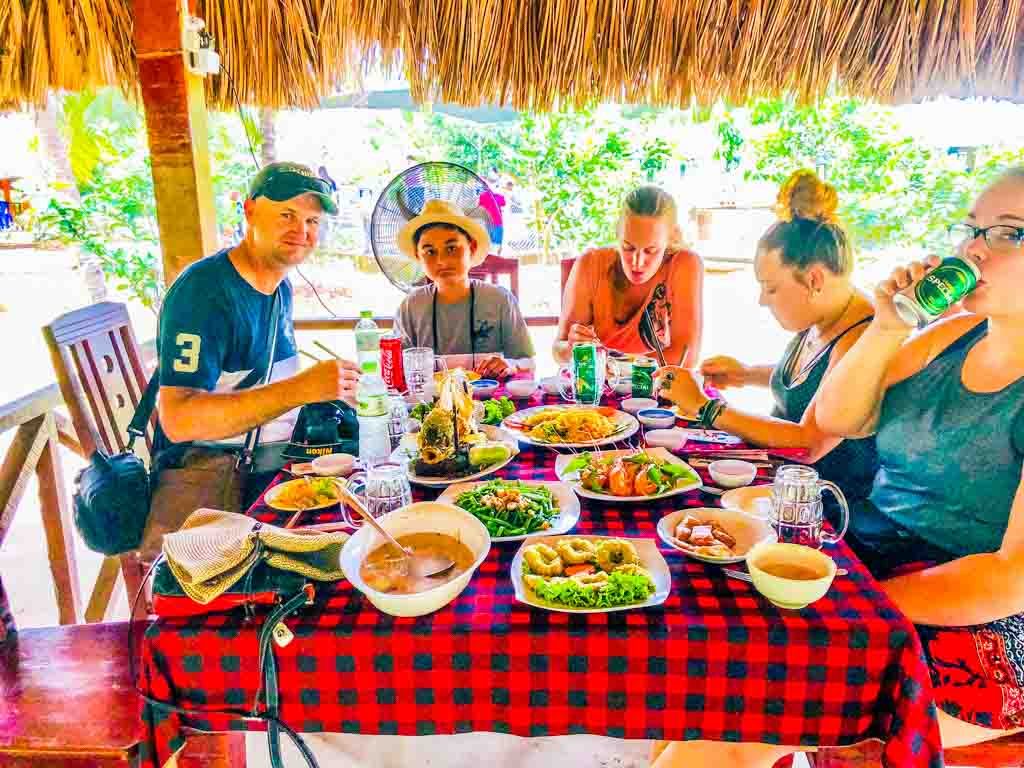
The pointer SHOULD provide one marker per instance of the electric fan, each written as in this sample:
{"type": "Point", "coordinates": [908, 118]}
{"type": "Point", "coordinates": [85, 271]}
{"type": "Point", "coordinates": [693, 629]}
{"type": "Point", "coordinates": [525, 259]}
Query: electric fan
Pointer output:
{"type": "Point", "coordinates": [403, 199]}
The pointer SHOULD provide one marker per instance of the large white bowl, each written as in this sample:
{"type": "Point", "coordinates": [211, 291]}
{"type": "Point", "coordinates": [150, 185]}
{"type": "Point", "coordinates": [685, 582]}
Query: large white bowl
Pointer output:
{"type": "Point", "coordinates": [422, 517]}
{"type": "Point", "coordinates": [790, 593]}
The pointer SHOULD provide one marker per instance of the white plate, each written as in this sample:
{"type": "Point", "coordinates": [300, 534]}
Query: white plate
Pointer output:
{"type": "Point", "coordinates": [568, 506]}
{"type": "Point", "coordinates": [650, 558]}
{"type": "Point", "coordinates": [573, 477]}
{"type": "Point", "coordinates": [271, 498]}
{"type": "Point", "coordinates": [746, 499]}
{"type": "Point", "coordinates": [747, 531]}
{"type": "Point", "coordinates": [626, 425]}
{"type": "Point", "coordinates": [491, 433]}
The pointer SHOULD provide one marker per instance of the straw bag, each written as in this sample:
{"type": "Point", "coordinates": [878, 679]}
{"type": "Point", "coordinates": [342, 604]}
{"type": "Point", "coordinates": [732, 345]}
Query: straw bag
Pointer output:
{"type": "Point", "coordinates": [219, 561]}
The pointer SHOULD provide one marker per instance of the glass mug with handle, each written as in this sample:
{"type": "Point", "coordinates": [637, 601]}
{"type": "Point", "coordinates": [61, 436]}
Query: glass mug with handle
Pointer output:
{"type": "Point", "coordinates": [383, 487]}
{"type": "Point", "coordinates": [797, 512]}
{"type": "Point", "coordinates": [420, 364]}
{"type": "Point", "coordinates": [583, 380]}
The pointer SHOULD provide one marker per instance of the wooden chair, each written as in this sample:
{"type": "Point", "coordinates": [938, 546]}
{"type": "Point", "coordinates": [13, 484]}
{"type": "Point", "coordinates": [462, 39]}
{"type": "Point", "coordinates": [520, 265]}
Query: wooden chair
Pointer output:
{"type": "Point", "coordinates": [101, 374]}
{"type": "Point", "coordinates": [69, 702]}
{"type": "Point", "coordinates": [1001, 753]}
{"type": "Point", "coordinates": [496, 267]}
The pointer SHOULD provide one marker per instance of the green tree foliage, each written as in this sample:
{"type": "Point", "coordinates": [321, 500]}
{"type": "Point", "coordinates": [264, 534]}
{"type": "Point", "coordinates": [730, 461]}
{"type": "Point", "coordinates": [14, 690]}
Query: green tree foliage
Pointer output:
{"type": "Point", "coordinates": [575, 167]}
{"type": "Point", "coordinates": [893, 190]}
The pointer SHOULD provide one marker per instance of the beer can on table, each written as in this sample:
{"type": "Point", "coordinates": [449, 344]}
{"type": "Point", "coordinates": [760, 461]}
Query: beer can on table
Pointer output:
{"type": "Point", "coordinates": [937, 291]}
{"type": "Point", "coordinates": [643, 377]}
{"type": "Point", "coordinates": [391, 369]}
{"type": "Point", "coordinates": [584, 367]}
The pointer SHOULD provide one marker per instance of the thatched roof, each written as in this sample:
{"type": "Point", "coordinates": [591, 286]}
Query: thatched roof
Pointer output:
{"type": "Point", "coordinates": [539, 53]}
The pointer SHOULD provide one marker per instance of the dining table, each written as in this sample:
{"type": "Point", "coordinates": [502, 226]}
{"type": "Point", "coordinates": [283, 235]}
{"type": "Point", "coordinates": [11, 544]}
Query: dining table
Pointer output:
{"type": "Point", "coordinates": [715, 661]}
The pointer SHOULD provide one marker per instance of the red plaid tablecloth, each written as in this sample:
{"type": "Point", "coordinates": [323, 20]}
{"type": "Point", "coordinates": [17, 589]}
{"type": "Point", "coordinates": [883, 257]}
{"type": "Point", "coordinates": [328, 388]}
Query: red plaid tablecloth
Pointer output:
{"type": "Point", "coordinates": [716, 661]}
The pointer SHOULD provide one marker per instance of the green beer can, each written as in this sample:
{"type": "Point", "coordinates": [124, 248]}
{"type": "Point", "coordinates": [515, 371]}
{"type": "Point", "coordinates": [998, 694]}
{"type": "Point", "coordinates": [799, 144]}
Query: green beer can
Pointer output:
{"type": "Point", "coordinates": [588, 383]}
{"type": "Point", "coordinates": [643, 377]}
{"type": "Point", "coordinates": [937, 291]}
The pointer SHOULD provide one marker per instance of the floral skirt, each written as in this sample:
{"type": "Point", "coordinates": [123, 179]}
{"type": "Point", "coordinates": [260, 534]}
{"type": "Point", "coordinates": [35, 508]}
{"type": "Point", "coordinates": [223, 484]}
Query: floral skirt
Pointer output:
{"type": "Point", "coordinates": [978, 672]}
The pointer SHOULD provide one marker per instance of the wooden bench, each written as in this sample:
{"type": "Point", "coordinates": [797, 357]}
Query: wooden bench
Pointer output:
{"type": "Point", "coordinates": [67, 701]}
{"type": "Point", "coordinates": [1000, 753]}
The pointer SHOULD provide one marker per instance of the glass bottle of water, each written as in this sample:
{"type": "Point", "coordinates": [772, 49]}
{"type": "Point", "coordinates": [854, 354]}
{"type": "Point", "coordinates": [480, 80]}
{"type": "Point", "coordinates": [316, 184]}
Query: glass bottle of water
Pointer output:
{"type": "Point", "coordinates": [373, 412]}
{"type": "Point", "coordinates": [367, 343]}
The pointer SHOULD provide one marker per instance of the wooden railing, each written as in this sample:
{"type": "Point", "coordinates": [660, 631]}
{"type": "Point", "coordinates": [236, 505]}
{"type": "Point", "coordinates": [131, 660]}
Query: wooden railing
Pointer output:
{"type": "Point", "coordinates": [348, 323]}
{"type": "Point", "coordinates": [40, 430]}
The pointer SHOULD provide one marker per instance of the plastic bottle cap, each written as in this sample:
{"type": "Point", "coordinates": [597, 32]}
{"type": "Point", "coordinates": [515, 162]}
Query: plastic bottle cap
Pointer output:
{"type": "Point", "coordinates": [366, 313]}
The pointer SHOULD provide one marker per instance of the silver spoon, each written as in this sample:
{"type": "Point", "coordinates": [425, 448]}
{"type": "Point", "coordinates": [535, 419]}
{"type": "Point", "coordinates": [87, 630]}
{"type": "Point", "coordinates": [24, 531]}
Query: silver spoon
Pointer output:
{"type": "Point", "coordinates": [424, 567]}
{"type": "Point", "coordinates": [746, 576]}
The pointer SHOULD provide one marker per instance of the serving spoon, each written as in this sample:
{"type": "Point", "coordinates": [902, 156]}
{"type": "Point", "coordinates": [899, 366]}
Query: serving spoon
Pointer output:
{"type": "Point", "coordinates": [424, 567]}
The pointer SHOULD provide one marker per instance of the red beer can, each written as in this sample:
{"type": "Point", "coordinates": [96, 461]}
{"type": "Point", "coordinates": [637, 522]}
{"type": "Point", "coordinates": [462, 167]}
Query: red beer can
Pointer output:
{"type": "Point", "coordinates": [391, 369]}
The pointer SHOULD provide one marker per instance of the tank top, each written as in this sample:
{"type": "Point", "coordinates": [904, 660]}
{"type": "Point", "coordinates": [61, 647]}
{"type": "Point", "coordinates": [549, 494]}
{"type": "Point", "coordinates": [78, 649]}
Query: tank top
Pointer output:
{"type": "Point", "coordinates": [852, 464]}
{"type": "Point", "coordinates": [596, 268]}
{"type": "Point", "coordinates": [950, 459]}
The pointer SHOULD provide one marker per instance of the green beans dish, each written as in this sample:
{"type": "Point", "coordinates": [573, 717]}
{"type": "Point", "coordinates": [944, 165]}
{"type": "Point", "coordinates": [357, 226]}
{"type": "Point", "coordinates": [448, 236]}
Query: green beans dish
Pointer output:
{"type": "Point", "coordinates": [510, 508]}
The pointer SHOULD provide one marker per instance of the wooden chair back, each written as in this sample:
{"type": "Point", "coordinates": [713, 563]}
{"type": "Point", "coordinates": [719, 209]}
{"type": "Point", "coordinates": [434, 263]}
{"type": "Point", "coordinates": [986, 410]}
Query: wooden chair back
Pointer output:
{"type": "Point", "coordinates": [100, 370]}
{"type": "Point", "coordinates": [495, 268]}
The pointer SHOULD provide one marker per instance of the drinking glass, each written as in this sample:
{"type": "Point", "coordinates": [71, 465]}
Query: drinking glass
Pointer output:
{"type": "Point", "coordinates": [382, 487]}
{"type": "Point", "coordinates": [420, 364]}
{"type": "Point", "coordinates": [797, 512]}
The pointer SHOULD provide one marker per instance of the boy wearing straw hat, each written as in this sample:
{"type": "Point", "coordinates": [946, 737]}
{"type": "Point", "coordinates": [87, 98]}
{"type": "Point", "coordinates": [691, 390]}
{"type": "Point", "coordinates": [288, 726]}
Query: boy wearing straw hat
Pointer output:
{"type": "Point", "coordinates": [455, 315]}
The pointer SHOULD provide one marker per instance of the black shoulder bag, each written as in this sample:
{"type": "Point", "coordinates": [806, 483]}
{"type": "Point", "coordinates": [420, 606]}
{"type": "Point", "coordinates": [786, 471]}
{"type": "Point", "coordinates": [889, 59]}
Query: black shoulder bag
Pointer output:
{"type": "Point", "coordinates": [114, 495]}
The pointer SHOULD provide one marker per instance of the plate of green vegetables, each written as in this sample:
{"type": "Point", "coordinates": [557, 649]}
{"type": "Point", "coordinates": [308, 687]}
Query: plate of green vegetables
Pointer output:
{"type": "Point", "coordinates": [512, 510]}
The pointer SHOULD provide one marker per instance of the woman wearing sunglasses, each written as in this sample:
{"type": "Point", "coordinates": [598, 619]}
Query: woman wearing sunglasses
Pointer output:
{"type": "Point", "coordinates": [945, 527]}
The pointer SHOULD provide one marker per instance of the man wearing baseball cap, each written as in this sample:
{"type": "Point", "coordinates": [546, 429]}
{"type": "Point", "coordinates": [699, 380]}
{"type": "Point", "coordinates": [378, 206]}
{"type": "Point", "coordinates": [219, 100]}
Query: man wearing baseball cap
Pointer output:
{"type": "Point", "coordinates": [214, 330]}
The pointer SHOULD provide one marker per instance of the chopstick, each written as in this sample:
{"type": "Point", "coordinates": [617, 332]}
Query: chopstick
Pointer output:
{"type": "Point", "coordinates": [328, 350]}
{"type": "Point", "coordinates": [310, 355]}
{"type": "Point", "coordinates": [658, 349]}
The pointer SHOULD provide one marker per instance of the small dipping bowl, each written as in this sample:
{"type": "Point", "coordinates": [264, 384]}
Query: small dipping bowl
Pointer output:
{"type": "Point", "coordinates": [790, 575]}
{"type": "Point", "coordinates": [484, 387]}
{"type": "Point", "coordinates": [732, 473]}
{"type": "Point", "coordinates": [657, 418]}
{"type": "Point", "coordinates": [520, 389]}
{"type": "Point", "coordinates": [636, 404]}
{"type": "Point", "coordinates": [670, 439]}
{"type": "Point", "coordinates": [550, 385]}
{"type": "Point", "coordinates": [334, 465]}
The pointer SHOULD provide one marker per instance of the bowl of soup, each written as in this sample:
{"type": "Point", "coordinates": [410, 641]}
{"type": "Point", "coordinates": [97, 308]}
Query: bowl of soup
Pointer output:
{"type": "Point", "coordinates": [435, 533]}
{"type": "Point", "coordinates": [790, 575]}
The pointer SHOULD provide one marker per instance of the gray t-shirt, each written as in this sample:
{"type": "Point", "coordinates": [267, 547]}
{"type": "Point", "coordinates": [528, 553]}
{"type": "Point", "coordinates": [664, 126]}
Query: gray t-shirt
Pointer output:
{"type": "Point", "coordinates": [499, 327]}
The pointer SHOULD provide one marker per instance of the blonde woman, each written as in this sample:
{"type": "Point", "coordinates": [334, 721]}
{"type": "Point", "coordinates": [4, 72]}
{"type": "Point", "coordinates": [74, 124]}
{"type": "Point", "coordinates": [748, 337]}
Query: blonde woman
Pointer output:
{"type": "Point", "coordinates": [649, 285]}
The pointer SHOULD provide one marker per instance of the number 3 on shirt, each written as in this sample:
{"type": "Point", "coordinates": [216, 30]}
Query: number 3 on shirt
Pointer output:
{"type": "Point", "coordinates": [188, 355]}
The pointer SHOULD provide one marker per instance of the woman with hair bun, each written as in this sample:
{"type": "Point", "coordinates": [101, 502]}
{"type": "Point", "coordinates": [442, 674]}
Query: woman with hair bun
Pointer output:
{"type": "Point", "coordinates": [803, 265]}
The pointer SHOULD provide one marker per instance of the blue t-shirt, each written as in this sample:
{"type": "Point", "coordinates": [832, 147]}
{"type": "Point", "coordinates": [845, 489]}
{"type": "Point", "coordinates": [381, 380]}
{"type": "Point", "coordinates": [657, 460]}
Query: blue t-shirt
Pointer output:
{"type": "Point", "coordinates": [213, 332]}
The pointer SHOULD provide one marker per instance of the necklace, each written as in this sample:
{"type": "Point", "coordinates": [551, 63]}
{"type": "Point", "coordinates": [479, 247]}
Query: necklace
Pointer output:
{"type": "Point", "coordinates": [797, 364]}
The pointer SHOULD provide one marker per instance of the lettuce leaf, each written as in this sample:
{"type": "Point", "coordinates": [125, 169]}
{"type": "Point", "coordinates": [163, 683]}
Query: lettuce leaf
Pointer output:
{"type": "Point", "coordinates": [621, 589]}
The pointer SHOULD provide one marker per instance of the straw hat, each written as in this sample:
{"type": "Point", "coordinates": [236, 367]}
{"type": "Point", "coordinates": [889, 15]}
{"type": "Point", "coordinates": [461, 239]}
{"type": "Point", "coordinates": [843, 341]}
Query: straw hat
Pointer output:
{"type": "Point", "coordinates": [214, 549]}
{"type": "Point", "coordinates": [442, 212]}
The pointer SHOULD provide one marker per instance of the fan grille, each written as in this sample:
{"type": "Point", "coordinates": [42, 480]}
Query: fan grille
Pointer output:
{"type": "Point", "coordinates": [403, 199]}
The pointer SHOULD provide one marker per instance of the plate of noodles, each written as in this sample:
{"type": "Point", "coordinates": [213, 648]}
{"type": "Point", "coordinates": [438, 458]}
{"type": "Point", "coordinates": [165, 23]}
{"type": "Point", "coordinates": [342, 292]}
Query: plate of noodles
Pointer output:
{"type": "Point", "coordinates": [571, 426]}
{"type": "Point", "coordinates": [303, 493]}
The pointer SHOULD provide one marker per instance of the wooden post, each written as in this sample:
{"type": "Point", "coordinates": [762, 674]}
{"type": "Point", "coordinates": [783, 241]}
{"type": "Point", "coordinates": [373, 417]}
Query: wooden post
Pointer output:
{"type": "Point", "coordinates": [175, 107]}
{"type": "Point", "coordinates": [57, 525]}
